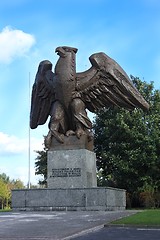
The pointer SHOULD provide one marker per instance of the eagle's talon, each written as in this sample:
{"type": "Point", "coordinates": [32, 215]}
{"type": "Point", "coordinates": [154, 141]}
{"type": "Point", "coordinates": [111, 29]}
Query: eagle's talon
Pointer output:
{"type": "Point", "coordinates": [80, 132]}
{"type": "Point", "coordinates": [58, 136]}
{"type": "Point", "coordinates": [70, 133]}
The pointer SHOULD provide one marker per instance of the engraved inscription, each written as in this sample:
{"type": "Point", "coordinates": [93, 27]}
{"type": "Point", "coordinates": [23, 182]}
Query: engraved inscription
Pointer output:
{"type": "Point", "coordinates": [66, 172]}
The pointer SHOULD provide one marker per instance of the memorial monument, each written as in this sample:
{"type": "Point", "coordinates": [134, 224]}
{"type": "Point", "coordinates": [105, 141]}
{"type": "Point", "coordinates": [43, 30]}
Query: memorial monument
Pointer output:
{"type": "Point", "coordinates": [64, 96]}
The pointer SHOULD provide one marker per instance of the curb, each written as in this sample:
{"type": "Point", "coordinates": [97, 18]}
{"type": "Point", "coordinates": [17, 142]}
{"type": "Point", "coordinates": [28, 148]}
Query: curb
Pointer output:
{"type": "Point", "coordinates": [83, 232]}
{"type": "Point", "coordinates": [132, 226]}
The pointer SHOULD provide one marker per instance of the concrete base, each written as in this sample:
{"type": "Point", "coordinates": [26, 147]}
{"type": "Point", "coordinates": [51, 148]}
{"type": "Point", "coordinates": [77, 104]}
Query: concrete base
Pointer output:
{"type": "Point", "coordinates": [83, 199]}
{"type": "Point", "coordinates": [71, 169]}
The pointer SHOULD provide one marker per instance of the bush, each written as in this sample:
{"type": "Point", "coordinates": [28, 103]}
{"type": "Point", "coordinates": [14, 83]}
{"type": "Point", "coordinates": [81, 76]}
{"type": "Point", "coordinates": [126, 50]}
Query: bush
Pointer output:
{"type": "Point", "coordinates": [157, 199]}
{"type": "Point", "coordinates": [147, 199]}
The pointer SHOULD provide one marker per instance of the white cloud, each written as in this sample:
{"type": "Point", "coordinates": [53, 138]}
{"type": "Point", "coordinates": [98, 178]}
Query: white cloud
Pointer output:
{"type": "Point", "coordinates": [14, 43]}
{"type": "Point", "coordinates": [20, 172]}
{"type": "Point", "coordinates": [11, 144]}
{"type": "Point", "coordinates": [14, 157]}
{"type": "Point", "coordinates": [14, 145]}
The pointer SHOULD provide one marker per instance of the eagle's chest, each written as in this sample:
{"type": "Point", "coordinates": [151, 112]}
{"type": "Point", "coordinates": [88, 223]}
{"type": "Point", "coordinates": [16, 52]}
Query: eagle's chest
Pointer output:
{"type": "Point", "coordinates": [65, 82]}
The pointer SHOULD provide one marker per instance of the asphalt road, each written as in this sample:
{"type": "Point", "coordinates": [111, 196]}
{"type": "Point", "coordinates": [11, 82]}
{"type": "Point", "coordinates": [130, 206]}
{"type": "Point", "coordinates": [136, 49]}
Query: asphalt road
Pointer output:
{"type": "Point", "coordinates": [68, 225]}
{"type": "Point", "coordinates": [115, 233]}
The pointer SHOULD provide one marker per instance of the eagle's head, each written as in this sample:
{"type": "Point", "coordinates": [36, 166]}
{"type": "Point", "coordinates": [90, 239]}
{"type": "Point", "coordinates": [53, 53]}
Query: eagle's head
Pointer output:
{"type": "Point", "coordinates": [44, 66]}
{"type": "Point", "coordinates": [62, 51]}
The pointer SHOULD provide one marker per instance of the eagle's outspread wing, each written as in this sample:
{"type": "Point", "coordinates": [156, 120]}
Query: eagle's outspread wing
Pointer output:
{"type": "Point", "coordinates": [106, 84]}
{"type": "Point", "coordinates": [42, 94]}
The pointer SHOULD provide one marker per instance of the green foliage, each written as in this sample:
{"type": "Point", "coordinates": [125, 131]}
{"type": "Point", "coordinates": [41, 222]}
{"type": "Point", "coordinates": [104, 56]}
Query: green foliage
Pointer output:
{"type": "Point", "coordinates": [6, 185]}
{"type": "Point", "coordinates": [127, 144]}
{"type": "Point", "coordinates": [17, 184]}
{"type": "Point", "coordinates": [41, 166]}
{"type": "Point", "coordinates": [4, 193]}
{"type": "Point", "coordinates": [4, 177]}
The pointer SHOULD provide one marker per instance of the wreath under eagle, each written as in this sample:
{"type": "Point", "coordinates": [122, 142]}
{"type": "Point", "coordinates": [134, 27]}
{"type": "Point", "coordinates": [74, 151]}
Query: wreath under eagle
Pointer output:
{"type": "Point", "coordinates": [65, 95]}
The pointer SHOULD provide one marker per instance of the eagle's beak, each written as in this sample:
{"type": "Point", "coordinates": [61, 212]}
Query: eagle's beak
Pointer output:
{"type": "Point", "coordinates": [60, 51]}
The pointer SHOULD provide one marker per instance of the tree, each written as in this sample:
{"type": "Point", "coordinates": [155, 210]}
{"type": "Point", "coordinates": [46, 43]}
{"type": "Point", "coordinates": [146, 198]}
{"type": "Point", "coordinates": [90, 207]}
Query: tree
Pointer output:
{"type": "Point", "coordinates": [6, 186]}
{"type": "Point", "coordinates": [127, 144]}
{"type": "Point", "coordinates": [4, 193]}
{"type": "Point", "coordinates": [16, 184]}
{"type": "Point", "coordinates": [4, 177]}
{"type": "Point", "coordinates": [41, 166]}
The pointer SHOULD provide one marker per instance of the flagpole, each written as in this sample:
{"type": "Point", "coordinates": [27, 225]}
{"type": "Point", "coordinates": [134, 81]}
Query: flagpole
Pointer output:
{"type": "Point", "coordinates": [29, 146]}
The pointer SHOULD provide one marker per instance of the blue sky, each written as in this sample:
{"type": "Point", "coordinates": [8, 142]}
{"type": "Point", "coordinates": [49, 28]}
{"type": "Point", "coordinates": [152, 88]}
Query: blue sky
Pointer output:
{"type": "Point", "coordinates": [127, 30]}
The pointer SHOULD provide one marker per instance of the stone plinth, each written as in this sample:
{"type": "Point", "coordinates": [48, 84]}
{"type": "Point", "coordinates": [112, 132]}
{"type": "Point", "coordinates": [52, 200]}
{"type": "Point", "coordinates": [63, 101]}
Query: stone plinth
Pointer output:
{"type": "Point", "coordinates": [72, 182]}
{"type": "Point", "coordinates": [72, 143]}
{"type": "Point", "coordinates": [82, 199]}
{"type": "Point", "coordinates": [71, 169]}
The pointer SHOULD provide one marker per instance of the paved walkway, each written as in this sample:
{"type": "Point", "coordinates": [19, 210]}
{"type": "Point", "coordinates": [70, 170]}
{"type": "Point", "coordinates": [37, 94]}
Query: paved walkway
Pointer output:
{"type": "Point", "coordinates": [58, 225]}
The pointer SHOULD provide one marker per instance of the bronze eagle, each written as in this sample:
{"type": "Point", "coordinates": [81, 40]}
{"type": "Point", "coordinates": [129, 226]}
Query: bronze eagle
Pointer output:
{"type": "Point", "coordinates": [65, 95]}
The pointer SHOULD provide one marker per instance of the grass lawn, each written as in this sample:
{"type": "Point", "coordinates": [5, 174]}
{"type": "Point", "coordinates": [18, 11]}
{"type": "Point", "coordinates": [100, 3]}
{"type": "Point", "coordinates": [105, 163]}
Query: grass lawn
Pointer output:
{"type": "Point", "coordinates": [145, 217]}
{"type": "Point", "coordinates": [5, 210]}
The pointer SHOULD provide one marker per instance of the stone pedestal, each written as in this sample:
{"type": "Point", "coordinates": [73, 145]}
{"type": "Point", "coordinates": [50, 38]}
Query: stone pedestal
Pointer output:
{"type": "Point", "coordinates": [69, 199]}
{"type": "Point", "coordinates": [71, 169]}
{"type": "Point", "coordinates": [72, 182]}
{"type": "Point", "coordinates": [71, 164]}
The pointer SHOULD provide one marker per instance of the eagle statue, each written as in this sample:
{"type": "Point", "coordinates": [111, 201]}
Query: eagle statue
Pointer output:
{"type": "Point", "coordinates": [65, 95]}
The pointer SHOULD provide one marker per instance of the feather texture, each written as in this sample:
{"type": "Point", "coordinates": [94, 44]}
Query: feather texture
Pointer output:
{"type": "Point", "coordinates": [106, 84]}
